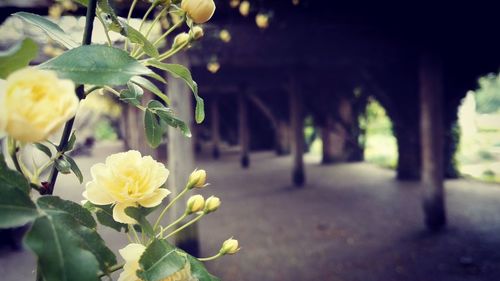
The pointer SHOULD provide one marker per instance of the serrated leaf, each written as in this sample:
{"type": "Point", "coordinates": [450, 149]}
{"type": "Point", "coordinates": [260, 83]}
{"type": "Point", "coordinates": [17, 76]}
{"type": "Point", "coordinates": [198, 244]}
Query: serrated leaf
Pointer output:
{"type": "Point", "coordinates": [160, 260]}
{"type": "Point", "coordinates": [154, 132]}
{"type": "Point", "coordinates": [74, 167]}
{"type": "Point", "coordinates": [180, 71]}
{"type": "Point", "coordinates": [12, 178]}
{"type": "Point", "coordinates": [104, 215]}
{"type": "Point", "coordinates": [96, 65]}
{"type": "Point", "coordinates": [71, 223]}
{"type": "Point", "coordinates": [17, 57]}
{"type": "Point", "coordinates": [63, 166]}
{"type": "Point", "coordinates": [168, 117]}
{"type": "Point", "coordinates": [52, 29]}
{"type": "Point", "coordinates": [16, 207]}
{"type": "Point", "coordinates": [139, 214]}
{"type": "Point", "coordinates": [133, 94]}
{"type": "Point", "coordinates": [146, 84]}
{"type": "Point", "coordinates": [43, 148]}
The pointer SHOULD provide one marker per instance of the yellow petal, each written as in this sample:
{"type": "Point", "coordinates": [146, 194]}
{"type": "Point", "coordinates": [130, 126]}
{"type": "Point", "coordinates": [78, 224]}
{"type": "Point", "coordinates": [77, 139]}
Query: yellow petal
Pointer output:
{"type": "Point", "coordinates": [97, 195]}
{"type": "Point", "coordinates": [119, 213]}
{"type": "Point", "coordinates": [155, 199]}
{"type": "Point", "coordinates": [132, 252]}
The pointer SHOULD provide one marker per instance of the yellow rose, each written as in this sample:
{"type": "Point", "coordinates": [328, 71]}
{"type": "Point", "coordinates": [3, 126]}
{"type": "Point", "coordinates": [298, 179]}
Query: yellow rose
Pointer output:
{"type": "Point", "coordinates": [199, 11]}
{"type": "Point", "coordinates": [35, 104]}
{"type": "Point", "coordinates": [244, 8]}
{"type": "Point", "coordinates": [127, 179]}
{"type": "Point", "coordinates": [262, 21]}
{"type": "Point", "coordinates": [132, 254]}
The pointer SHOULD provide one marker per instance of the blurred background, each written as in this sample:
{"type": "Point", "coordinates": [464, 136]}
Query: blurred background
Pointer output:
{"type": "Point", "coordinates": [347, 141]}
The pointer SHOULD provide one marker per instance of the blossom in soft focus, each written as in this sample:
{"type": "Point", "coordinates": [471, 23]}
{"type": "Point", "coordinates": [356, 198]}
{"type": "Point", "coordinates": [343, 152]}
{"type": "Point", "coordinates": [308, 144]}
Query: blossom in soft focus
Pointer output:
{"type": "Point", "coordinates": [198, 179]}
{"type": "Point", "coordinates": [229, 247]}
{"type": "Point", "coordinates": [127, 179]}
{"type": "Point", "coordinates": [35, 104]}
{"type": "Point", "coordinates": [262, 20]}
{"type": "Point", "coordinates": [213, 66]}
{"type": "Point", "coordinates": [200, 11]}
{"type": "Point", "coordinates": [234, 3]}
{"type": "Point", "coordinates": [295, 2]}
{"type": "Point", "coordinates": [212, 204]}
{"type": "Point", "coordinates": [244, 8]}
{"type": "Point", "coordinates": [225, 36]}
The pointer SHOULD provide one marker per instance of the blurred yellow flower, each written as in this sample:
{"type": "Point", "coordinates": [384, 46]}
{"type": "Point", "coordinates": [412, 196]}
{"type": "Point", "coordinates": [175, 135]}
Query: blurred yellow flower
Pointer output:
{"type": "Point", "coordinates": [234, 3]}
{"type": "Point", "coordinates": [213, 66]}
{"type": "Point", "coordinates": [199, 11]}
{"type": "Point", "coordinates": [245, 8]}
{"type": "Point", "coordinates": [127, 179]}
{"type": "Point", "coordinates": [296, 2]}
{"type": "Point", "coordinates": [35, 104]}
{"type": "Point", "coordinates": [262, 20]}
{"type": "Point", "coordinates": [225, 36]}
{"type": "Point", "coordinates": [132, 254]}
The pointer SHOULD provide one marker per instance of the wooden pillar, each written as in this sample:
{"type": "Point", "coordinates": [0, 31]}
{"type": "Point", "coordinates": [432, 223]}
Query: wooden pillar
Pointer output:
{"type": "Point", "coordinates": [297, 127]}
{"type": "Point", "coordinates": [431, 128]}
{"type": "Point", "coordinates": [215, 122]}
{"type": "Point", "coordinates": [244, 134]}
{"type": "Point", "coordinates": [181, 154]}
{"type": "Point", "coordinates": [282, 138]}
{"type": "Point", "coordinates": [331, 150]}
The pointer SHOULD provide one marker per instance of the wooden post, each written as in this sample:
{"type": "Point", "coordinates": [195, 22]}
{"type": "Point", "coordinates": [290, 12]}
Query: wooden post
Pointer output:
{"type": "Point", "coordinates": [297, 124]}
{"type": "Point", "coordinates": [329, 153]}
{"type": "Point", "coordinates": [215, 122]}
{"type": "Point", "coordinates": [181, 154]}
{"type": "Point", "coordinates": [282, 138]}
{"type": "Point", "coordinates": [244, 134]}
{"type": "Point", "coordinates": [431, 128]}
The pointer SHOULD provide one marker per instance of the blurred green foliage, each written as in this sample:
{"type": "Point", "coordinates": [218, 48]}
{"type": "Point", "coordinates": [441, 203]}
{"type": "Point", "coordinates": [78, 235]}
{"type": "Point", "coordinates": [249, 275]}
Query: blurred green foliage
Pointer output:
{"type": "Point", "coordinates": [488, 94]}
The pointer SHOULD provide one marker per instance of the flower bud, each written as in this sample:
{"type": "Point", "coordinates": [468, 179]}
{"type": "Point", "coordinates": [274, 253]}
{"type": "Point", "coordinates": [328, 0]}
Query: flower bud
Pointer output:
{"type": "Point", "coordinates": [225, 36]}
{"type": "Point", "coordinates": [262, 21]}
{"type": "Point", "coordinates": [212, 204]}
{"type": "Point", "coordinates": [195, 204]}
{"type": "Point", "coordinates": [199, 11]}
{"type": "Point", "coordinates": [213, 66]}
{"type": "Point", "coordinates": [197, 32]}
{"type": "Point", "coordinates": [229, 247]}
{"type": "Point", "coordinates": [234, 3]}
{"type": "Point", "coordinates": [180, 39]}
{"type": "Point", "coordinates": [198, 179]}
{"type": "Point", "coordinates": [244, 8]}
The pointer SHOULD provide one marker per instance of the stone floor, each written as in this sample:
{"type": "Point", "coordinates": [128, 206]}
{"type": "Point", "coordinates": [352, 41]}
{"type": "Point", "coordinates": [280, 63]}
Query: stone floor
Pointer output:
{"type": "Point", "coordinates": [350, 222]}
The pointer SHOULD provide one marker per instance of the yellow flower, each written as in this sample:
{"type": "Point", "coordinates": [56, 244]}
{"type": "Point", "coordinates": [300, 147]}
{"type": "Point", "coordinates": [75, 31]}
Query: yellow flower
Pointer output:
{"type": "Point", "coordinates": [213, 66]}
{"type": "Point", "coordinates": [199, 11]}
{"type": "Point", "coordinates": [234, 3]}
{"type": "Point", "coordinates": [35, 104]}
{"type": "Point", "coordinates": [198, 179]}
{"type": "Point", "coordinates": [127, 179]}
{"type": "Point", "coordinates": [132, 254]}
{"type": "Point", "coordinates": [244, 8]}
{"type": "Point", "coordinates": [262, 21]}
{"type": "Point", "coordinates": [195, 204]}
{"type": "Point", "coordinates": [225, 36]}
{"type": "Point", "coordinates": [229, 247]}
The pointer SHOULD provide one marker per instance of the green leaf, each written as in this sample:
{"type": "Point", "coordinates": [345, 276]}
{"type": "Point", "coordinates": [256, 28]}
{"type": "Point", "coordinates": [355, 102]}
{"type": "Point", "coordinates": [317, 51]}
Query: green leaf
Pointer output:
{"type": "Point", "coordinates": [43, 148]}
{"type": "Point", "coordinates": [136, 37]}
{"type": "Point", "coordinates": [157, 77]}
{"type": "Point", "coordinates": [199, 271]}
{"type": "Point", "coordinates": [60, 255]}
{"type": "Point", "coordinates": [160, 260]}
{"type": "Point", "coordinates": [52, 29]}
{"type": "Point", "coordinates": [63, 166]}
{"type": "Point", "coordinates": [154, 132]}
{"type": "Point", "coordinates": [168, 117]}
{"type": "Point", "coordinates": [17, 57]}
{"type": "Point", "coordinates": [71, 142]}
{"type": "Point", "coordinates": [12, 178]}
{"type": "Point", "coordinates": [16, 207]}
{"type": "Point", "coordinates": [139, 214]}
{"type": "Point", "coordinates": [104, 215]}
{"type": "Point", "coordinates": [74, 168]}
{"type": "Point", "coordinates": [146, 84]}
{"type": "Point", "coordinates": [180, 71]}
{"type": "Point", "coordinates": [96, 65]}
{"type": "Point", "coordinates": [66, 226]}
{"type": "Point", "coordinates": [133, 94]}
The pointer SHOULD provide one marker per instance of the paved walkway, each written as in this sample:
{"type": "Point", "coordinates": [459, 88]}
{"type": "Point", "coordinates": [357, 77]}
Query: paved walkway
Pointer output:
{"type": "Point", "coordinates": [351, 222]}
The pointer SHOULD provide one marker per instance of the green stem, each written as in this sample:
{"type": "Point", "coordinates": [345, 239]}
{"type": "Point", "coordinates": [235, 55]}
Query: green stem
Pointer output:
{"type": "Point", "coordinates": [151, 8]}
{"type": "Point", "coordinates": [111, 270]}
{"type": "Point", "coordinates": [13, 149]}
{"type": "Point", "coordinates": [106, 30]}
{"type": "Point", "coordinates": [211, 258]}
{"type": "Point", "coordinates": [186, 225]}
{"type": "Point", "coordinates": [132, 7]}
{"type": "Point", "coordinates": [165, 34]}
{"type": "Point", "coordinates": [68, 127]}
{"type": "Point", "coordinates": [160, 235]}
{"type": "Point", "coordinates": [132, 229]}
{"type": "Point", "coordinates": [162, 214]}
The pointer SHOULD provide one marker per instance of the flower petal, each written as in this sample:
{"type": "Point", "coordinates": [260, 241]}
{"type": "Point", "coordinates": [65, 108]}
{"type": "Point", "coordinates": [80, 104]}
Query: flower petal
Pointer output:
{"type": "Point", "coordinates": [97, 195]}
{"type": "Point", "coordinates": [132, 252]}
{"type": "Point", "coordinates": [155, 198]}
{"type": "Point", "coordinates": [119, 213]}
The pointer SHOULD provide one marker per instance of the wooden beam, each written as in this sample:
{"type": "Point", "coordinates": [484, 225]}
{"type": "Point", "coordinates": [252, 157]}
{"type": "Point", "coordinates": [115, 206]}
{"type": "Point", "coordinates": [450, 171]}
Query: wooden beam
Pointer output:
{"type": "Point", "coordinates": [181, 155]}
{"type": "Point", "coordinates": [431, 126]}
{"type": "Point", "coordinates": [297, 123]}
{"type": "Point", "coordinates": [244, 134]}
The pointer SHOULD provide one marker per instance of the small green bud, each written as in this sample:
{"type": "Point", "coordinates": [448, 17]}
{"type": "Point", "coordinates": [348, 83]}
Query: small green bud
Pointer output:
{"type": "Point", "coordinates": [195, 204]}
{"type": "Point", "coordinates": [229, 247]}
{"type": "Point", "coordinates": [212, 204]}
{"type": "Point", "coordinates": [198, 179]}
